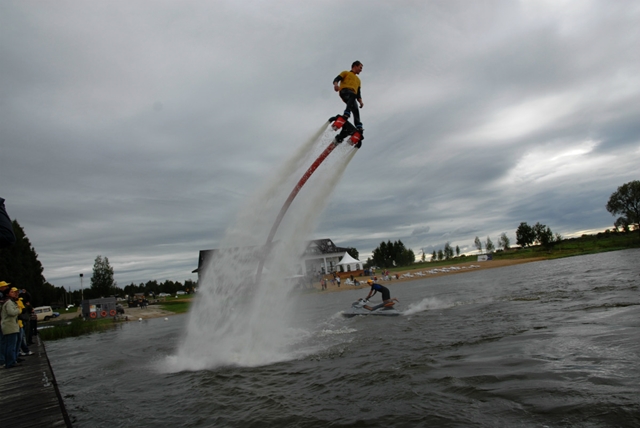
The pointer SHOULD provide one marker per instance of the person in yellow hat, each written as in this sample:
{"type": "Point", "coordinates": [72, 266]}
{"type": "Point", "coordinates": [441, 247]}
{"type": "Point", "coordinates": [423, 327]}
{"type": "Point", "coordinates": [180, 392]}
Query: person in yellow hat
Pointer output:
{"type": "Point", "coordinates": [10, 329]}
{"type": "Point", "coordinates": [4, 288]}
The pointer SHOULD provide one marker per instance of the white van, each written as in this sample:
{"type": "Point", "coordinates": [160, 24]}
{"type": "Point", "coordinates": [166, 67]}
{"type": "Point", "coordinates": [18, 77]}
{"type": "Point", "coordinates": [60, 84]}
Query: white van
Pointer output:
{"type": "Point", "coordinates": [44, 313]}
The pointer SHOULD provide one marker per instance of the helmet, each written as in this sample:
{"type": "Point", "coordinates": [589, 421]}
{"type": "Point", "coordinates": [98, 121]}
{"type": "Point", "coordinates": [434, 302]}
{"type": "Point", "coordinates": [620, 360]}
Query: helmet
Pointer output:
{"type": "Point", "coordinates": [369, 281]}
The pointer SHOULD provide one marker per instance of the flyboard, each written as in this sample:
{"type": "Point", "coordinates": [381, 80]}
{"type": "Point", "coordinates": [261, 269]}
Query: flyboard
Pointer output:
{"type": "Point", "coordinates": [347, 130]}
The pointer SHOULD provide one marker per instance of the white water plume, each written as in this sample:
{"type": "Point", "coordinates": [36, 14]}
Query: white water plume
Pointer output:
{"type": "Point", "coordinates": [234, 320]}
{"type": "Point", "coordinates": [426, 304]}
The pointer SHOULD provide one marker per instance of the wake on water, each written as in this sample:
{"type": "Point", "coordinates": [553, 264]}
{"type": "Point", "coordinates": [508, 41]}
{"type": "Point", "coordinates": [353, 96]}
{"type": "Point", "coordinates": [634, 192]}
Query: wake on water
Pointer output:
{"type": "Point", "coordinates": [233, 320]}
{"type": "Point", "coordinates": [426, 304]}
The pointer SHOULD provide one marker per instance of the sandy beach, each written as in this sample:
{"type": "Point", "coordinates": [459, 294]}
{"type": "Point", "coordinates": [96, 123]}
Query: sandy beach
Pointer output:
{"type": "Point", "coordinates": [425, 272]}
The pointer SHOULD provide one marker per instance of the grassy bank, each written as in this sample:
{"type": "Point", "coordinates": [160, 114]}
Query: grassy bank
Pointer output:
{"type": "Point", "coordinates": [61, 329]}
{"type": "Point", "coordinates": [177, 306]}
{"type": "Point", "coordinates": [586, 244]}
{"type": "Point", "coordinates": [76, 327]}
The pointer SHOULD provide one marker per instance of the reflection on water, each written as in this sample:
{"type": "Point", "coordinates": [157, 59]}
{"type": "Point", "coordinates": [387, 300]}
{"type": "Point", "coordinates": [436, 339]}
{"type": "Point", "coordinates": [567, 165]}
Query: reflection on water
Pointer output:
{"type": "Point", "coordinates": [553, 343]}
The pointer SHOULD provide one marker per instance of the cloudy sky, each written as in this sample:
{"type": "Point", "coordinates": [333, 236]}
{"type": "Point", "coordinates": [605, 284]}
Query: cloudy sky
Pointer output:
{"type": "Point", "coordinates": [136, 130]}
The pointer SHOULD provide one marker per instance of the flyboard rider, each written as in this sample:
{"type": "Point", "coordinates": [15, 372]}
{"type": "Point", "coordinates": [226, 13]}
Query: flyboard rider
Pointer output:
{"type": "Point", "coordinates": [387, 301]}
{"type": "Point", "coordinates": [347, 84]}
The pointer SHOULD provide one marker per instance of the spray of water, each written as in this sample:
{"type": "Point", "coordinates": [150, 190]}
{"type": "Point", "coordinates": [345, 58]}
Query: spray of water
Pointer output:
{"type": "Point", "coordinates": [234, 319]}
{"type": "Point", "coordinates": [426, 304]}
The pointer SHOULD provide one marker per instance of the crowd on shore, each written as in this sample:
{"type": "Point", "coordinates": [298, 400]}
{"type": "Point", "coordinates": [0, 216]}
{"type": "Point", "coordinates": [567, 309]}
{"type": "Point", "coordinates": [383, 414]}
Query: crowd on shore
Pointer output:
{"type": "Point", "coordinates": [18, 320]}
{"type": "Point", "coordinates": [18, 325]}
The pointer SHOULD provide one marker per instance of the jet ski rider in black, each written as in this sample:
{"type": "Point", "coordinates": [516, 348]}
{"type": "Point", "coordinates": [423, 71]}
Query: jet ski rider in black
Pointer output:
{"type": "Point", "coordinates": [386, 296]}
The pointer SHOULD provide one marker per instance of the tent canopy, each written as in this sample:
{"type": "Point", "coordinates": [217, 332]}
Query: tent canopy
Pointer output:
{"type": "Point", "coordinates": [348, 260]}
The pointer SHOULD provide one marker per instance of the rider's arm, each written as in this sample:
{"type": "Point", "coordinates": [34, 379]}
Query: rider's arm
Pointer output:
{"type": "Point", "coordinates": [372, 293]}
{"type": "Point", "coordinates": [336, 83]}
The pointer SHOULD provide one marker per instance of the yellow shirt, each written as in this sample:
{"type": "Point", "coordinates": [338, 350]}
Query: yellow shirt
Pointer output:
{"type": "Point", "coordinates": [21, 307]}
{"type": "Point", "coordinates": [350, 81]}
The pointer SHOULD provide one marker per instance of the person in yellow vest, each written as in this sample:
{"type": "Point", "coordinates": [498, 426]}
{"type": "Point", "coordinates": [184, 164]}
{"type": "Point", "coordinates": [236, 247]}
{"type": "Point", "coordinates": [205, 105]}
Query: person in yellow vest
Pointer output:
{"type": "Point", "coordinates": [347, 84]}
{"type": "Point", "coordinates": [23, 349]}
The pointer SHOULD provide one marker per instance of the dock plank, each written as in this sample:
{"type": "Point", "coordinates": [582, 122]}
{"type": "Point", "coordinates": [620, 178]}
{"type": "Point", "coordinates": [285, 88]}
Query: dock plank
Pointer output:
{"type": "Point", "coordinates": [30, 394]}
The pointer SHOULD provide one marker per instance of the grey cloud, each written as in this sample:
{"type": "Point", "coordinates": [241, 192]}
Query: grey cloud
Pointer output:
{"type": "Point", "coordinates": [138, 133]}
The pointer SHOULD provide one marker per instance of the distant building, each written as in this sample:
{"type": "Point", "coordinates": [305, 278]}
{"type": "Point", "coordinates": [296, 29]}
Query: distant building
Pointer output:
{"type": "Point", "coordinates": [104, 307]}
{"type": "Point", "coordinates": [321, 256]}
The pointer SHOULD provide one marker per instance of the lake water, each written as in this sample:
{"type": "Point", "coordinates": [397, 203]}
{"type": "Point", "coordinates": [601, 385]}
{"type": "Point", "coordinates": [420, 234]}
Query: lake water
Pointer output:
{"type": "Point", "coordinates": [546, 344]}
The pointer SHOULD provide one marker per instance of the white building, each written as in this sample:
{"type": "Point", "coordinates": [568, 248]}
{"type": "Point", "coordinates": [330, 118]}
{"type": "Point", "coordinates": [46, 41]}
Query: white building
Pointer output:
{"type": "Point", "coordinates": [321, 256]}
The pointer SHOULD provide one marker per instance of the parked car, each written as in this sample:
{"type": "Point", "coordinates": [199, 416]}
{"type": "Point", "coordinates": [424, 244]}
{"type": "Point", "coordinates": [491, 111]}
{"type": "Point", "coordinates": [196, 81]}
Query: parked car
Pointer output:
{"type": "Point", "coordinates": [45, 313]}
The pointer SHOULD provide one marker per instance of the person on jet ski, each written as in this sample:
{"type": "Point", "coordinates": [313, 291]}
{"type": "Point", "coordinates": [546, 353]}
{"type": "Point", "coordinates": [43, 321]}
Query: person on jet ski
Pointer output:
{"type": "Point", "coordinates": [386, 296]}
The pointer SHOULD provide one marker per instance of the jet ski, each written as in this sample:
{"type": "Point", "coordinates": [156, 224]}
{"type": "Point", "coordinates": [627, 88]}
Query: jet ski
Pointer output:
{"type": "Point", "coordinates": [358, 308]}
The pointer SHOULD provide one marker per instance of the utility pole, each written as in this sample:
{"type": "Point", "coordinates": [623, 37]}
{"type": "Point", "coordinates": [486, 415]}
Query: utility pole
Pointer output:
{"type": "Point", "coordinates": [81, 288]}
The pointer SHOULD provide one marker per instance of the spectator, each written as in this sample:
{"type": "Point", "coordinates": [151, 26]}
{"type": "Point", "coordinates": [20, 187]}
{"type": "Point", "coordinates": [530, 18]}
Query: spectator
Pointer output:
{"type": "Point", "coordinates": [10, 329]}
{"type": "Point", "coordinates": [4, 295]}
{"type": "Point", "coordinates": [33, 326]}
{"type": "Point", "coordinates": [24, 316]}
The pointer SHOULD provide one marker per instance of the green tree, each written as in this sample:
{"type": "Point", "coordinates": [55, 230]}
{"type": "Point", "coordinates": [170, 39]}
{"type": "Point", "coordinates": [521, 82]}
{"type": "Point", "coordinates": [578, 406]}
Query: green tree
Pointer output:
{"type": "Point", "coordinates": [504, 241]}
{"type": "Point", "coordinates": [626, 202]}
{"type": "Point", "coordinates": [390, 254]}
{"type": "Point", "coordinates": [440, 255]}
{"type": "Point", "coordinates": [544, 235]}
{"type": "Point", "coordinates": [525, 235]}
{"type": "Point", "coordinates": [190, 285]}
{"type": "Point", "coordinates": [478, 244]}
{"type": "Point", "coordinates": [489, 245]}
{"type": "Point", "coordinates": [19, 266]}
{"type": "Point", "coordinates": [457, 251]}
{"type": "Point", "coordinates": [448, 251]}
{"type": "Point", "coordinates": [622, 223]}
{"type": "Point", "coordinates": [434, 256]}
{"type": "Point", "coordinates": [102, 282]}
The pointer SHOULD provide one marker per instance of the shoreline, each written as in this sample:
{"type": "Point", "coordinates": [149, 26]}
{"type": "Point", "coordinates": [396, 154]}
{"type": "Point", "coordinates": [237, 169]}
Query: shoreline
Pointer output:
{"type": "Point", "coordinates": [138, 314]}
{"type": "Point", "coordinates": [414, 274]}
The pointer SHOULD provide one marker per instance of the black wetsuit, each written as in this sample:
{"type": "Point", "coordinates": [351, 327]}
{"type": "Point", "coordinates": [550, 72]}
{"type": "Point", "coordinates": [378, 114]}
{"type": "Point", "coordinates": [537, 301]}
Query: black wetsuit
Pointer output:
{"type": "Point", "coordinates": [386, 294]}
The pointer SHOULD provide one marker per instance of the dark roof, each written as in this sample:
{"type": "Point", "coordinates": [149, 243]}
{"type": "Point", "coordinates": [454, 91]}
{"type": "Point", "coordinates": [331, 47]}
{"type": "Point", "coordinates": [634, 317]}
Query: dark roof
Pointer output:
{"type": "Point", "coordinates": [316, 246]}
{"type": "Point", "coordinates": [322, 246]}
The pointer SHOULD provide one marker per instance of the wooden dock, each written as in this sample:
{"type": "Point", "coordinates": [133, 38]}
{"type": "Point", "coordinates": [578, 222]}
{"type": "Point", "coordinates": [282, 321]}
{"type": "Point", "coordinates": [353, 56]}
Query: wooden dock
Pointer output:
{"type": "Point", "coordinates": [29, 393]}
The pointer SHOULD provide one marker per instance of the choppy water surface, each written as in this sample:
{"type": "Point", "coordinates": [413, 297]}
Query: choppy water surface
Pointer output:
{"type": "Point", "coordinates": [553, 343]}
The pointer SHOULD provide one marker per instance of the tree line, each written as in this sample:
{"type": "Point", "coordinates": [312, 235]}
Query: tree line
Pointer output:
{"type": "Point", "coordinates": [103, 284]}
{"type": "Point", "coordinates": [389, 254]}
{"type": "Point", "coordinates": [19, 264]}
{"type": "Point", "coordinates": [624, 202]}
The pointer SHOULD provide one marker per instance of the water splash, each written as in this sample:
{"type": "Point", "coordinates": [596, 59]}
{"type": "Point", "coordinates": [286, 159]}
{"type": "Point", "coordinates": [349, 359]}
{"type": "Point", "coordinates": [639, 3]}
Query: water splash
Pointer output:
{"type": "Point", "coordinates": [426, 304]}
{"type": "Point", "coordinates": [235, 321]}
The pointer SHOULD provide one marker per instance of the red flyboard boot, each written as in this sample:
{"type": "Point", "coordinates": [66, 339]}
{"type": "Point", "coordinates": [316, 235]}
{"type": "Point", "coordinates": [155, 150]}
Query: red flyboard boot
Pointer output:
{"type": "Point", "coordinates": [355, 138]}
{"type": "Point", "coordinates": [337, 124]}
